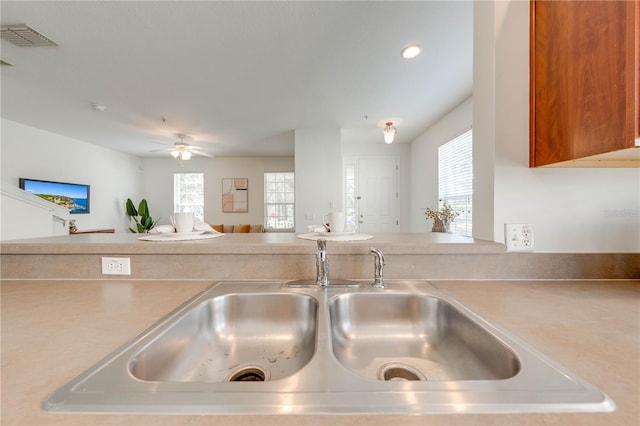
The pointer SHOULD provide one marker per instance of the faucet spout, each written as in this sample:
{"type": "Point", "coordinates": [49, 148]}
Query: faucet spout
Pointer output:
{"type": "Point", "coordinates": [378, 268]}
{"type": "Point", "coordinates": [322, 263]}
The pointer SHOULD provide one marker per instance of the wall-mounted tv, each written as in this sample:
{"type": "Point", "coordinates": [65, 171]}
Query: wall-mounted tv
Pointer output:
{"type": "Point", "coordinates": [72, 196]}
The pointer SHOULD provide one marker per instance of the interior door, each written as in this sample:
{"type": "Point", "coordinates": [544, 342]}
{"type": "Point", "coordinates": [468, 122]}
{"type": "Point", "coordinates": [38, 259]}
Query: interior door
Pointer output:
{"type": "Point", "coordinates": [377, 194]}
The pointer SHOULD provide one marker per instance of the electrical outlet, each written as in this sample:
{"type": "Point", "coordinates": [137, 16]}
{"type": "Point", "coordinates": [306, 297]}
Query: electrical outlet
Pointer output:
{"type": "Point", "coordinates": [116, 266]}
{"type": "Point", "coordinates": [518, 237]}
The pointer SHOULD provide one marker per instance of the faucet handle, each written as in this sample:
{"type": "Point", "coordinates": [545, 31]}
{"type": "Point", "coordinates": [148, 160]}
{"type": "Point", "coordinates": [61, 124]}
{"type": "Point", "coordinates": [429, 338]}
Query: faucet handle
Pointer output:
{"type": "Point", "coordinates": [378, 268]}
{"type": "Point", "coordinates": [378, 255]}
{"type": "Point", "coordinates": [322, 264]}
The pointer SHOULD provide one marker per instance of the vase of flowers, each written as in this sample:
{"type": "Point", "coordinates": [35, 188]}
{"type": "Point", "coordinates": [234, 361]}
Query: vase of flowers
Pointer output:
{"type": "Point", "coordinates": [441, 225]}
{"type": "Point", "coordinates": [442, 217]}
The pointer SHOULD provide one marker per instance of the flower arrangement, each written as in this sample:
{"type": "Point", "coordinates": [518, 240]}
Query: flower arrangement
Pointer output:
{"type": "Point", "coordinates": [442, 217]}
{"type": "Point", "coordinates": [446, 212]}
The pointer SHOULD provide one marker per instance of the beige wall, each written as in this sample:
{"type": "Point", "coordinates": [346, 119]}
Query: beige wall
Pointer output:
{"type": "Point", "coordinates": [157, 184]}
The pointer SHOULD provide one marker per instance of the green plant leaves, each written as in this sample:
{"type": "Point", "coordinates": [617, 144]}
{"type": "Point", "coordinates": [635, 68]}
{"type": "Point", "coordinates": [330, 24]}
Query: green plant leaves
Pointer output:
{"type": "Point", "coordinates": [131, 210]}
{"type": "Point", "coordinates": [141, 216]}
{"type": "Point", "coordinates": [143, 209]}
{"type": "Point", "coordinates": [147, 222]}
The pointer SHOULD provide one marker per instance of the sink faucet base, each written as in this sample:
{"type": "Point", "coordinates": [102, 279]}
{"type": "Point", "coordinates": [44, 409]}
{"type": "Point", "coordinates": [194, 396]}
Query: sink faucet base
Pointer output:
{"type": "Point", "coordinates": [332, 284]}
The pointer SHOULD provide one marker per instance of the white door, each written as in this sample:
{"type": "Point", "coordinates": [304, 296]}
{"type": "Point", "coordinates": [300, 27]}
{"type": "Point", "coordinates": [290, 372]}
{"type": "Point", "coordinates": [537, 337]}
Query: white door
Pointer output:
{"type": "Point", "coordinates": [377, 194]}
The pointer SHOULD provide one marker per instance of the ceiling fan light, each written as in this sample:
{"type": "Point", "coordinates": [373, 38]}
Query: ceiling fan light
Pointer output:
{"type": "Point", "coordinates": [186, 155]}
{"type": "Point", "coordinates": [389, 132]}
{"type": "Point", "coordinates": [175, 153]}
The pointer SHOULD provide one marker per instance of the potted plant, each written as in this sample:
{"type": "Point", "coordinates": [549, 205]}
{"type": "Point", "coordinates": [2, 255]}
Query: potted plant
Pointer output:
{"type": "Point", "coordinates": [141, 216]}
{"type": "Point", "coordinates": [442, 217]}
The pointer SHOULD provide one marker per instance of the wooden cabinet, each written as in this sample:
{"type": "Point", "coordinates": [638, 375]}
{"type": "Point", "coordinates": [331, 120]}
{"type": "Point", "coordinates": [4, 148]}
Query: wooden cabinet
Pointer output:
{"type": "Point", "coordinates": [584, 89]}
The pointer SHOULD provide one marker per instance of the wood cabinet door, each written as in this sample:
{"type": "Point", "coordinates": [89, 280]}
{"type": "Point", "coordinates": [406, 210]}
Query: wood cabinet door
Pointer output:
{"type": "Point", "coordinates": [583, 88]}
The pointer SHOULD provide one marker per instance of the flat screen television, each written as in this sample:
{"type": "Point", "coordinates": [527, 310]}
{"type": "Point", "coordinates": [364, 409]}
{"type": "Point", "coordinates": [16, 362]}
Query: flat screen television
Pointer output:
{"type": "Point", "coordinates": [72, 196]}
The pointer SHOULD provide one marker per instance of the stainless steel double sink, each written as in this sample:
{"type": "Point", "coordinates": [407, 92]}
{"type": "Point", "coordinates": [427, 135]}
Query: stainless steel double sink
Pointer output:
{"type": "Point", "coordinates": [263, 347]}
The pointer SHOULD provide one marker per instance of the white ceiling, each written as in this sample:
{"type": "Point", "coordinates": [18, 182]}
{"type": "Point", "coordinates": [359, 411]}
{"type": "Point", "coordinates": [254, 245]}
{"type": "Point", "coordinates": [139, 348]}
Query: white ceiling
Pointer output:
{"type": "Point", "coordinates": [238, 77]}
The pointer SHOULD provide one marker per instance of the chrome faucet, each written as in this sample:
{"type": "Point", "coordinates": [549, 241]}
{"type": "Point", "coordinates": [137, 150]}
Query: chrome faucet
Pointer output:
{"type": "Point", "coordinates": [322, 263]}
{"type": "Point", "coordinates": [378, 267]}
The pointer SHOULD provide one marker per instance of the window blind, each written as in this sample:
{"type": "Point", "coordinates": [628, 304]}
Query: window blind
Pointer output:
{"type": "Point", "coordinates": [455, 179]}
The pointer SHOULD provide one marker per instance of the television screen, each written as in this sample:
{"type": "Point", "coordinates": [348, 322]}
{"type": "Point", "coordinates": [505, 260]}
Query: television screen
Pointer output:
{"type": "Point", "coordinates": [72, 196]}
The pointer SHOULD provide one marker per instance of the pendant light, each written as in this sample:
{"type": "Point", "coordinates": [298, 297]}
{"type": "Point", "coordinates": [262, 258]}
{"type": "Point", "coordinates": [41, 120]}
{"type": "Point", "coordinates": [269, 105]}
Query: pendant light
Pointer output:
{"type": "Point", "coordinates": [389, 132]}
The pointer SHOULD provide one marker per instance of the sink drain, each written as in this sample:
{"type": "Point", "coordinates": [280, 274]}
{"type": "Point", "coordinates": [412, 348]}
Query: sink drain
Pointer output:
{"type": "Point", "coordinates": [249, 374]}
{"type": "Point", "coordinates": [398, 371]}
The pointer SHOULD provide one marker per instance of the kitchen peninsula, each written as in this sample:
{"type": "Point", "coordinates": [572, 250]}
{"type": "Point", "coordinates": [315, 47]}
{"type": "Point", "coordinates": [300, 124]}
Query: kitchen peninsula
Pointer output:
{"type": "Point", "coordinates": [284, 256]}
{"type": "Point", "coordinates": [60, 315]}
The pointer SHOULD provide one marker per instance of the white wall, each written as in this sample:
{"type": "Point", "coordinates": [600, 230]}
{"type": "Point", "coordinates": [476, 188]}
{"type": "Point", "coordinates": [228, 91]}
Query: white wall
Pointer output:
{"type": "Point", "coordinates": [25, 215]}
{"type": "Point", "coordinates": [157, 185]}
{"type": "Point", "coordinates": [572, 210]}
{"type": "Point", "coordinates": [424, 161]}
{"type": "Point", "coordinates": [30, 152]}
{"type": "Point", "coordinates": [318, 167]}
{"type": "Point", "coordinates": [484, 126]}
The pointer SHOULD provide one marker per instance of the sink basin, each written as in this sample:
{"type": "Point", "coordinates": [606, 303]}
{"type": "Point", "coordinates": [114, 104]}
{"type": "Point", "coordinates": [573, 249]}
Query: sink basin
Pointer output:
{"type": "Point", "coordinates": [414, 337]}
{"type": "Point", "coordinates": [235, 337]}
{"type": "Point", "coordinates": [261, 347]}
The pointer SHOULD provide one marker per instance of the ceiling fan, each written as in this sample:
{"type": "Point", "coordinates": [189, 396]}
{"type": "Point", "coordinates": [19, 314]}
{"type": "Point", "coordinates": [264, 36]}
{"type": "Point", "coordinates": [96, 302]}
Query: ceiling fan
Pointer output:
{"type": "Point", "coordinates": [182, 150]}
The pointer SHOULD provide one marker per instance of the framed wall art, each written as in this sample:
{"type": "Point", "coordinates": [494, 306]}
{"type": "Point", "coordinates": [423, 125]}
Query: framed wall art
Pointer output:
{"type": "Point", "coordinates": [235, 195]}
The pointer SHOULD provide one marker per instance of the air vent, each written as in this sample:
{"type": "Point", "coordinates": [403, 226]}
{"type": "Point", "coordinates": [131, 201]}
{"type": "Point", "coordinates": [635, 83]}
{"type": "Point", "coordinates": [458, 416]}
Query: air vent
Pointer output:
{"type": "Point", "coordinates": [24, 36]}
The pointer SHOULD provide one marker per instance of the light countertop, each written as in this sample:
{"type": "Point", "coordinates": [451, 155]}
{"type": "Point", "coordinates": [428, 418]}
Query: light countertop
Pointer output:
{"type": "Point", "coordinates": [52, 330]}
{"type": "Point", "coordinates": [251, 243]}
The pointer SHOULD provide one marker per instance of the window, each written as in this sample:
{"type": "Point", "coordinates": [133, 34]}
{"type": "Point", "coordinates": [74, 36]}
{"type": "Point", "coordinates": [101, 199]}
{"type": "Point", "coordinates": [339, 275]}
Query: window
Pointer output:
{"type": "Point", "coordinates": [455, 179]}
{"type": "Point", "coordinates": [279, 200]}
{"type": "Point", "coordinates": [188, 193]}
{"type": "Point", "coordinates": [350, 195]}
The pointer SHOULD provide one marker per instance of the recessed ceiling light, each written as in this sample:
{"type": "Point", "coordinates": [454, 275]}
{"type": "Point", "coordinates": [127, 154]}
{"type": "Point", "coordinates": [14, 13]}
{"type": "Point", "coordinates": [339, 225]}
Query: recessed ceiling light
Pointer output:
{"type": "Point", "coordinates": [411, 51]}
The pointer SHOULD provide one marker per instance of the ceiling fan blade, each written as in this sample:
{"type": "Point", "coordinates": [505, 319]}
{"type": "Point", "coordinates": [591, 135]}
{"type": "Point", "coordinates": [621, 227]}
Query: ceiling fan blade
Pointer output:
{"type": "Point", "coordinates": [202, 153]}
{"type": "Point", "coordinates": [160, 150]}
